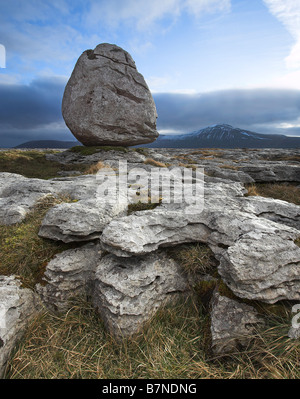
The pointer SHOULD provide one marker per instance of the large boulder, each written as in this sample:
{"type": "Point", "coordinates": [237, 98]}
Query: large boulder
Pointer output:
{"type": "Point", "coordinates": [107, 101]}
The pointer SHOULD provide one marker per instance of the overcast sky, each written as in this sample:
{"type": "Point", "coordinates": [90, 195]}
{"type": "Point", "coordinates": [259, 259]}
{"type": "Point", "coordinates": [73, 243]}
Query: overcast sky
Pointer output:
{"type": "Point", "coordinates": [205, 61]}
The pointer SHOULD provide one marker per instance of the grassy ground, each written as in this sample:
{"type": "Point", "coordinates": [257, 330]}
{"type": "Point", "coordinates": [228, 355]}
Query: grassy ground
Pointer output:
{"type": "Point", "coordinates": [285, 192]}
{"type": "Point", "coordinates": [173, 344]}
{"type": "Point", "coordinates": [22, 251]}
{"type": "Point", "coordinates": [34, 164]}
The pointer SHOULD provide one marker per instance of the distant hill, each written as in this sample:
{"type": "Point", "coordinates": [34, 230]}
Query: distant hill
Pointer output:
{"type": "Point", "coordinates": [216, 136]}
{"type": "Point", "coordinates": [48, 144]}
{"type": "Point", "coordinates": [224, 136]}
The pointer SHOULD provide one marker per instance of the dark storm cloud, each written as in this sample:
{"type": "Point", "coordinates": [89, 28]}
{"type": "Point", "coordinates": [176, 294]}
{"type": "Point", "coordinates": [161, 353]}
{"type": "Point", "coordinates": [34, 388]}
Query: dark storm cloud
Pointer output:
{"type": "Point", "coordinates": [29, 106]}
{"type": "Point", "coordinates": [33, 112]}
{"type": "Point", "coordinates": [13, 137]}
{"type": "Point", "coordinates": [240, 108]}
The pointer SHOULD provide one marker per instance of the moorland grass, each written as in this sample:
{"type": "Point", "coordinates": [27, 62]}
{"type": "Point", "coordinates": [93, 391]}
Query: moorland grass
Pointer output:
{"type": "Point", "coordinates": [33, 164]}
{"type": "Point", "coordinates": [283, 191]}
{"type": "Point", "coordinates": [173, 344]}
{"type": "Point", "coordinates": [22, 252]}
{"type": "Point", "coordinates": [152, 162]}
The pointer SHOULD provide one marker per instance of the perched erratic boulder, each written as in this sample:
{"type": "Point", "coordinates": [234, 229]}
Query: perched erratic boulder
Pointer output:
{"type": "Point", "coordinates": [107, 101]}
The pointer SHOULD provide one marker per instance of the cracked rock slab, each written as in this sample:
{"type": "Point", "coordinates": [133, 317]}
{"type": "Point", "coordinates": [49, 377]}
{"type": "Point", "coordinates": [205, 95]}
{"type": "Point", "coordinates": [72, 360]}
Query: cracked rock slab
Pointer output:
{"type": "Point", "coordinates": [263, 266]}
{"type": "Point", "coordinates": [19, 195]}
{"type": "Point", "coordinates": [233, 324]}
{"type": "Point", "coordinates": [269, 208]}
{"type": "Point", "coordinates": [146, 231]}
{"type": "Point", "coordinates": [17, 306]}
{"type": "Point", "coordinates": [107, 101]}
{"type": "Point", "coordinates": [129, 291]}
{"type": "Point", "coordinates": [69, 274]}
{"type": "Point", "coordinates": [258, 257]}
{"type": "Point", "coordinates": [80, 221]}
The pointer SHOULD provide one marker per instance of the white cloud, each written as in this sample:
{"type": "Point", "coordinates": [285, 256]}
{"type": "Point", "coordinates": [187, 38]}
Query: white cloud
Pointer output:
{"type": "Point", "coordinates": [139, 47]}
{"type": "Point", "coordinates": [288, 13]}
{"type": "Point", "coordinates": [157, 83]}
{"type": "Point", "coordinates": [290, 80]}
{"type": "Point", "coordinates": [198, 7]}
{"type": "Point", "coordinates": [144, 14]}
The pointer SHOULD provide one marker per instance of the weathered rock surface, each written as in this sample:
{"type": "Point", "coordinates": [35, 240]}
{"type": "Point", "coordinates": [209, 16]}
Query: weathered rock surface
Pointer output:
{"type": "Point", "coordinates": [70, 157]}
{"type": "Point", "coordinates": [80, 221]}
{"type": "Point", "coordinates": [146, 231]}
{"type": "Point", "coordinates": [233, 324]}
{"type": "Point", "coordinates": [107, 101]}
{"type": "Point", "coordinates": [263, 265]}
{"type": "Point", "coordinates": [272, 209]}
{"type": "Point", "coordinates": [18, 194]}
{"type": "Point", "coordinates": [272, 171]}
{"type": "Point", "coordinates": [258, 257]}
{"type": "Point", "coordinates": [129, 291]}
{"type": "Point", "coordinates": [69, 274]}
{"type": "Point", "coordinates": [17, 306]}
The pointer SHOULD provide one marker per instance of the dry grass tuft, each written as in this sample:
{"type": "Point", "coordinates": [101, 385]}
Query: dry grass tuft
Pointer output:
{"type": "Point", "coordinates": [284, 191]}
{"type": "Point", "coordinates": [150, 161]}
{"type": "Point", "coordinates": [207, 153]}
{"type": "Point", "coordinates": [252, 190]}
{"type": "Point", "coordinates": [194, 258]}
{"type": "Point", "coordinates": [94, 169]}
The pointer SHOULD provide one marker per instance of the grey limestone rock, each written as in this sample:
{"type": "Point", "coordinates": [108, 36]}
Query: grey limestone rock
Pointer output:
{"type": "Point", "coordinates": [80, 221]}
{"type": "Point", "coordinates": [129, 291]}
{"type": "Point", "coordinates": [258, 257]}
{"type": "Point", "coordinates": [272, 171]}
{"type": "Point", "coordinates": [69, 274]}
{"type": "Point", "coordinates": [19, 195]}
{"type": "Point", "coordinates": [263, 265]}
{"type": "Point", "coordinates": [233, 324]}
{"type": "Point", "coordinates": [17, 306]}
{"type": "Point", "coordinates": [107, 101]}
